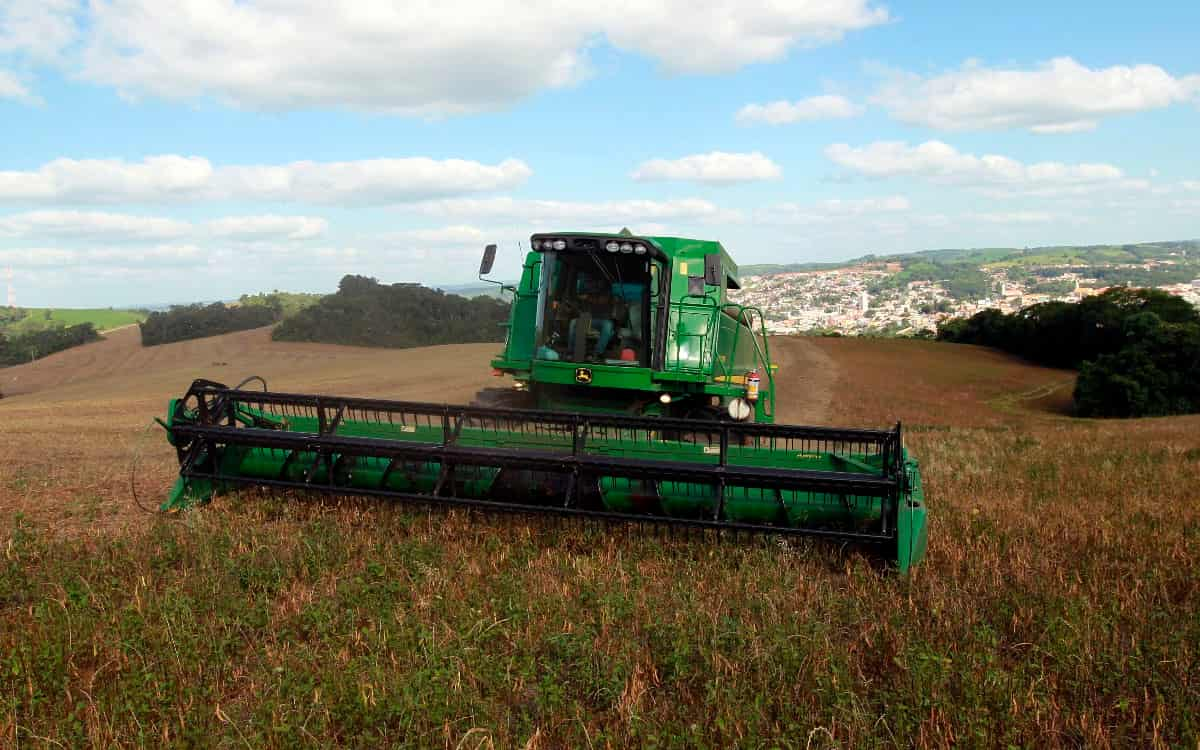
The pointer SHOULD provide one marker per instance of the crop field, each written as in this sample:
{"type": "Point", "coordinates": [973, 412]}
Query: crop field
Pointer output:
{"type": "Point", "coordinates": [104, 319]}
{"type": "Point", "coordinates": [1059, 604]}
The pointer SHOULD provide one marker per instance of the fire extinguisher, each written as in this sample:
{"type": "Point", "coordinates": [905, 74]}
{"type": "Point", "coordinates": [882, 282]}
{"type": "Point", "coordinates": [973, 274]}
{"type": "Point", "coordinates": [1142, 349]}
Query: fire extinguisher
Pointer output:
{"type": "Point", "coordinates": [752, 381]}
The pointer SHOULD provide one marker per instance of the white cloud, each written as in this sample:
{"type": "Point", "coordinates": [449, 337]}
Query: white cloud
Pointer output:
{"type": "Point", "coordinates": [268, 227]}
{"type": "Point", "coordinates": [38, 29]}
{"type": "Point", "coordinates": [524, 212]}
{"type": "Point", "coordinates": [42, 257]}
{"type": "Point", "coordinates": [715, 168]}
{"type": "Point", "coordinates": [458, 234]}
{"type": "Point", "coordinates": [1015, 217]}
{"type": "Point", "coordinates": [108, 180]}
{"type": "Point", "coordinates": [372, 180]}
{"type": "Point", "coordinates": [1191, 185]}
{"type": "Point", "coordinates": [826, 211]}
{"type": "Point", "coordinates": [171, 177]}
{"type": "Point", "coordinates": [11, 87]}
{"type": "Point", "coordinates": [1060, 96]}
{"type": "Point", "coordinates": [712, 36]}
{"type": "Point", "coordinates": [428, 59]}
{"type": "Point", "coordinates": [96, 259]}
{"type": "Point", "coordinates": [92, 225]}
{"type": "Point", "coordinates": [941, 163]}
{"type": "Point", "coordinates": [828, 107]}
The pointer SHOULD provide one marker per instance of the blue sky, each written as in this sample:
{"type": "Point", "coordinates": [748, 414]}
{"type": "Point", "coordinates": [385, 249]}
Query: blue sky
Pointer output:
{"type": "Point", "coordinates": [157, 152]}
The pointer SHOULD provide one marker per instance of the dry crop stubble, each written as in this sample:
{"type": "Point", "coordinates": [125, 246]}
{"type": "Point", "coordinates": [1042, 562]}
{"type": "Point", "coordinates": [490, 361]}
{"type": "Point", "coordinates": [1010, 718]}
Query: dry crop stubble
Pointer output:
{"type": "Point", "coordinates": [1058, 604]}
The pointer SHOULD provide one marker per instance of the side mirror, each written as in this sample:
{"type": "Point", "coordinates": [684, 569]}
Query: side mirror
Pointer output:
{"type": "Point", "coordinates": [712, 269]}
{"type": "Point", "coordinates": [489, 258]}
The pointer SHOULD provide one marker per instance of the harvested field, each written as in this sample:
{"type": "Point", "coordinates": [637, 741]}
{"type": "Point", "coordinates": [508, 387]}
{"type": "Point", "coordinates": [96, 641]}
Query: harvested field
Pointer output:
{"type": "Point", "coordinates": [1059, 604]}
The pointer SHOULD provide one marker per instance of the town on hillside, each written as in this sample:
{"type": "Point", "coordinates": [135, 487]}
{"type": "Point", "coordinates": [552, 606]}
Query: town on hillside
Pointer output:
{"type": "Point", "coordinates": [885, 297]}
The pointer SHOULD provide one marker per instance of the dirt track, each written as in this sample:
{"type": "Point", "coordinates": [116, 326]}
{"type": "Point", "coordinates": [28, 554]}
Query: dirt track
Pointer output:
{"type": "Point", "coordinates": [806, 380]}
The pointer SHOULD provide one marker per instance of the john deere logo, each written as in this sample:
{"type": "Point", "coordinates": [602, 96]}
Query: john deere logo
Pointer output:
{"type": "Point", "coordinates": [583, 375]}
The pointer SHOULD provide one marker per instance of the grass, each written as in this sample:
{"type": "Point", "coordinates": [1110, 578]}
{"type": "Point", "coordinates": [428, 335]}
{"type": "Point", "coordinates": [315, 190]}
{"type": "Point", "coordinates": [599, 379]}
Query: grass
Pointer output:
{"type": "Point", "coordinates": [1059, 605]}
{"type": "Point", "coordinates": [103, 319]}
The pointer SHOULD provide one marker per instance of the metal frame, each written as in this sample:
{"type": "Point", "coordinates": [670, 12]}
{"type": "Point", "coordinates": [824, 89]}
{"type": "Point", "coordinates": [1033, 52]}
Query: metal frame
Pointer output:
{"type": "Point", "coordinates": [212, 417]}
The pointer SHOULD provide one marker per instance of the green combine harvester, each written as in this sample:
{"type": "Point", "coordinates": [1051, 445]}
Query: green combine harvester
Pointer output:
{"type": "Point", "coordinates": [639, 393]}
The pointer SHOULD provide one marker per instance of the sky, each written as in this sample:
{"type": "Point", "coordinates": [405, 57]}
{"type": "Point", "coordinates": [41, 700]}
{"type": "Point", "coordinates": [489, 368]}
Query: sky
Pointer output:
{"type": "Point", "coordinates": [155, 151]}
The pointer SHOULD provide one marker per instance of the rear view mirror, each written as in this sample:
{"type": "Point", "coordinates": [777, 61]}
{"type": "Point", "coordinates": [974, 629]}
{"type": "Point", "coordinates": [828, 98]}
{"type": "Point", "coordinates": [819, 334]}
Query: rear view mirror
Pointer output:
{"type": "Point", "coordinates": [712, 269]}
{"type": "Point", "coordinates": [489, 257]}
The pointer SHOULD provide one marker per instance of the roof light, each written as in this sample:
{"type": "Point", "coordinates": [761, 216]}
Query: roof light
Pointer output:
{"type": "Point", "coordinates": [639, 249]}
{"type": "Point", "coordinates": [536, 244]}
{"type": "Point", "coordinates": [612, 247]}
{"type": "Point", "coordinates": [560, 244]}
{"type": "Point", "coordinates": [626, 248]}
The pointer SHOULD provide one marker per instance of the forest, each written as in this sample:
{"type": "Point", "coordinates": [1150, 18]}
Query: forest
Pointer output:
{"type": "Point", "coordinates": [184, 322]}
{"type": "Point", "coordinates": [1137, 350]}
{"type": "Point", "coordinates": [365, 312]}
{"type": "Point", "coordinates": [18, 348]}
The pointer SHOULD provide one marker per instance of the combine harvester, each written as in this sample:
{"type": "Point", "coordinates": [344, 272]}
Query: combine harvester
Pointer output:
{"type": "Point", "coordinates": [640, 393]}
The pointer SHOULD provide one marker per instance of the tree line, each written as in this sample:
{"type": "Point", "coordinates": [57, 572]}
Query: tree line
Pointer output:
{"type": "Point", "coordinates": [183, 322]}
{"type": "Point", "coordinates": [364, 312]}
{"type": "Point", "coordinates": [1137, 350]}
{"type": "Point", "coordinates": [27, 346]}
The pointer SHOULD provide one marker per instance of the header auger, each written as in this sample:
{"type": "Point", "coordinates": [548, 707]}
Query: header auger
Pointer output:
{"type": "Point", "coordinates": [641, 394]}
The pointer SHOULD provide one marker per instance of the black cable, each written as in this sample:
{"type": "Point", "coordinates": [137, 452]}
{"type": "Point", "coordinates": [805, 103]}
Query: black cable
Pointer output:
{"type": "Point", "coordinates": [259, 378]}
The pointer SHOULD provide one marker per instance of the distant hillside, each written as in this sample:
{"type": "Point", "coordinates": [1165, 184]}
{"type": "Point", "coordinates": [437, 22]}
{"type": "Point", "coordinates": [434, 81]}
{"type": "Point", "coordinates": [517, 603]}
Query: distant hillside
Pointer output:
{"type": "Point", "coordinates": [1081, 255]}
{"type": "Point", "coordinates": [30, 319]}
{"type": "Point", "coordinates": [364, 312]}
{"type": "Point", "coordinates": [475, 290]}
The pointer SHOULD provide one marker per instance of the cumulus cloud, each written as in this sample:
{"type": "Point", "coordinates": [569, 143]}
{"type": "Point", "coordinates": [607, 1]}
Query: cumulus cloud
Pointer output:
{"type": "Point", "coordinates": [942, 163]}
{"type": "Point", "coordinates": [171, 177]}
{"type": "Point", "coordinates": [458, 234]}
{"type": "Point", "coordinates": [92, 225]}
{"type": "Point", "coordinates": [268, 227]}
{"type": "Point", "coordinates": [594, 213]}
{"type": "Point", "coordinates": [11, 87]}
{"type": "Point", "coordinates": [107, 180]}
{"type": "Point", "coordinates": [1059, 96]}
{"type": "Point", "coordinates": [829, 107]}
{"type": "Point", "coordinates": [98, 227]}
{"type": "Point", "coordinates": [714, 168]}
{"type": "Point", "coordinates": [37, 29]}
{"type": "Point", "coordinates": [95, 259]}
{"type": "Point", "coordinates": [428, 59]}
{"type": "Point", "coordinates": [835, 209]}
{"type": "Point", "coordinates": [1015, 217]}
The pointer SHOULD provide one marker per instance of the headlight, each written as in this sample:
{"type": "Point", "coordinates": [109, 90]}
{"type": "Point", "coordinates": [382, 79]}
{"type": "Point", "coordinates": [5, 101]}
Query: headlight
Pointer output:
{"type": "Point", "coordinates": [560, 244]}
{"type": "Point", "coordinates": [612, 247]}
{"type": "Point", "coordinates": [626, 247]}
{"type": "Point", "coordinates": [639, 249]}
{"type": "Point", "coordinates": [740, 409]}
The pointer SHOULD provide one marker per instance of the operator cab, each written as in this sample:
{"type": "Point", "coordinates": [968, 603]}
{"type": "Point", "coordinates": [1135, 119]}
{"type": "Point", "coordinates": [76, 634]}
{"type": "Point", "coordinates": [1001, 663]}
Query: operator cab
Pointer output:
{"type": "Point", "coordinates": [599, 299]}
